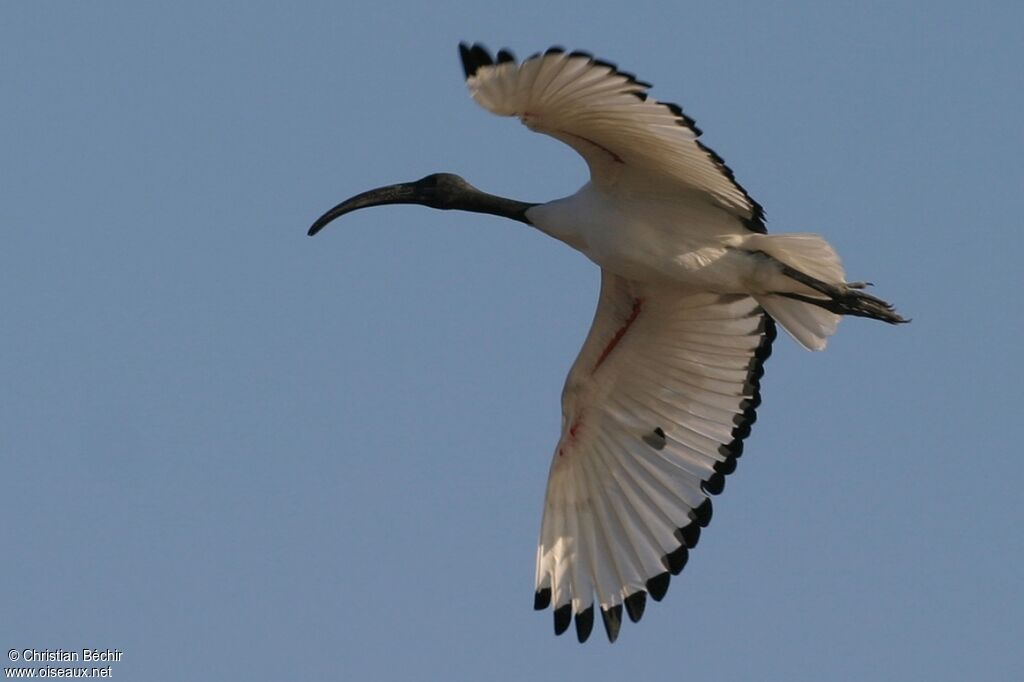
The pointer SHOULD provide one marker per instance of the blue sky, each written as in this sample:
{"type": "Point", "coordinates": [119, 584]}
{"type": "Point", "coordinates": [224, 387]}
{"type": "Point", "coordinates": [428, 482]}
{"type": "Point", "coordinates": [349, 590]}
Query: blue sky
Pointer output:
{"type": "Point", "coordinates": [234, 452]}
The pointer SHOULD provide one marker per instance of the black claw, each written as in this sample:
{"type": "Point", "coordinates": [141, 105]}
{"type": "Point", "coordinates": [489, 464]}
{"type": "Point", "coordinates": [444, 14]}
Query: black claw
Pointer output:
{"type": "Point", "coordinates": [612, 621]}
{"type": "Point", "coordinates": [563, 616]}
{"type": "Point", "coordinates": [635, 604]}
{"type": "Point", "coordinates": [702, 513]}
{"type": "Point", "coordinates": [542, 599]}
{"type": "Point", "coordinates": [584, 623]}
{"type": "Point", "coordinates": [675, 561]}
{"type": "Point", "coordinates": [658, 585]}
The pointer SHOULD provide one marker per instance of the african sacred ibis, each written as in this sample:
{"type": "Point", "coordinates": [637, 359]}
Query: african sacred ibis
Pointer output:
{"type": "Point", "coordinates": [656, 406]}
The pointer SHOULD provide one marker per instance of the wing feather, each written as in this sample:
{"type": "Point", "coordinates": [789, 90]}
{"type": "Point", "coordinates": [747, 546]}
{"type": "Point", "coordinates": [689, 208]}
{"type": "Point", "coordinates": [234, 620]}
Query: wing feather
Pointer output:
{"type": "Point", "coordinates": [606, 115]}
{"type": "Point", "coordinates": [666, 385]}
{"type": "Point", "coordinates": [650, 429]}
{"type": "Point", "coordinates": [607, 580]}
{"type": "Point", "coordinates": [633, 508]}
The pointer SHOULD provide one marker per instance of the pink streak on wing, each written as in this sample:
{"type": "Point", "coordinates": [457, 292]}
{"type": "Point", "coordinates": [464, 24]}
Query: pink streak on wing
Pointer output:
{"type": "Point", "coordinates": [637, 305]}
{"type": "Point", "coordinates": [571, 439]}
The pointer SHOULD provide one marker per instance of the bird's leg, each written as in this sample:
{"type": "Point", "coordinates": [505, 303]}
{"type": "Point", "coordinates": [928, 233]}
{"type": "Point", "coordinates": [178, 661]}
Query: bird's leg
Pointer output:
{"type": "Point", "coordinates": [842, 299]}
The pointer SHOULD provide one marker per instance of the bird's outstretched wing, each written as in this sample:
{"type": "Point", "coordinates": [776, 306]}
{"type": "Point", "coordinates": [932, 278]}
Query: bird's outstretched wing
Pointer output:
{"type": "Point", "coordinates": [654, 413]}
{"type": "Point", "coordinates": [605, 114]}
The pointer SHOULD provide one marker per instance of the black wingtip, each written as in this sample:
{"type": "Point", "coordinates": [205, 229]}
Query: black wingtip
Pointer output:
{"type": "Point", "coordinates": [675, 561]}
{"type": "Point", "coordinates": [584, 623]}
{"type": "Point", "coordinates": [726, 466]}
{"type": "Point", "coordinates": [635, 604]}
{"type": "Point", "coordinates": [473, 57]}
{"type": "Point", "coordinates": [716, 484]}
{"type": "Point", "coordinates": [542, 599]}
{"type": "Point", "coordinates": [658, 585]}
{"type": "Point", "coordinates": [612, 621]}
{"type": "Point", "coordinates": [689, 535]}
{"type": "Point", "coordinates": [733, 449]}
{"type": "Point", "coordinates": [702, 513]}
{"type": "Point", "coordinates": [505, 55]}
{"type": "Point", "coordinates": [563, 616]}
{"type": "Point", "coordinates": [584, 55]}
{"type": "Point", "coordinates": [464, 56]}
{"type": "Point", "coordinates": [770, 334]}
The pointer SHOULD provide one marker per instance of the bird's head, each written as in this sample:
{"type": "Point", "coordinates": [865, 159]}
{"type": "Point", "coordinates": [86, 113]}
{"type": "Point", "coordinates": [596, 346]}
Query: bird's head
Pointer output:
{"type": "Point", "coordinates": [438, 190]}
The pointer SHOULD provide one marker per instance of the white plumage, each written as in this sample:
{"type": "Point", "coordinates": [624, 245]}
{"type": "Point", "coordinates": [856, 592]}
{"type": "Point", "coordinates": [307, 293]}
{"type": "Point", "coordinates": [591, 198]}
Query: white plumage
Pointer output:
{"type": "Point", "coordinates": [656, 406]}
{"type": "Point", "coordinates": [605, 115]}
{"type": "Point", "coordinates": [654, 413]}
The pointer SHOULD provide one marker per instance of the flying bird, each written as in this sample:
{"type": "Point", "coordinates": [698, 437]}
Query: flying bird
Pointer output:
{"type": "Point", "coordinates": [657, 404]}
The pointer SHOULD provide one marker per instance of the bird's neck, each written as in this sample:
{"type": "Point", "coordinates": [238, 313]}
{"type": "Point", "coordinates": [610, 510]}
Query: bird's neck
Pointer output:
{"type": "Point", "coordinates": [482, 202]}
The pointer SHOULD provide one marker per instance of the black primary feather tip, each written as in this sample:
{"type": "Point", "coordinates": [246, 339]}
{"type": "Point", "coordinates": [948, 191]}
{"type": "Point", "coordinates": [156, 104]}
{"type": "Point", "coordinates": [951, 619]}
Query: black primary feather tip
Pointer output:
{"type": "Point", "coordinates": [473, 57]}
{"type": "Point", "coordinates": [658, 585]}
{"type": "Point", "coordinates": [584, 623]}
{"type": "Point", "coordinates": [689, 535]}
{"type": "Point", "coordinates": [505, 56]}
{"type": "Point", "coordinates": [612, 621]}
{"type": "Point", "coordinates": [702, 513]}
{"type": "Point", "coordinates": [675, 561]}
{"type": "Point", "coordinates": [563, 616]}
{"type": "Point", "coordinates": [716, 483]}
{"type": "Point", "coordinates": [635, 604]}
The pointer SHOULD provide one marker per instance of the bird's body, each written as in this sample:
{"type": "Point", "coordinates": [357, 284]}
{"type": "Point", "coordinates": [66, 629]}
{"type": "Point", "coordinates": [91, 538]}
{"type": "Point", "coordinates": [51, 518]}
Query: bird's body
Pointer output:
{"type": "Point", "coordinates": [665, 388]}
{"type": "Point", "coordinates": [663, 240]}
{"type": "Point", "coordinates": [638, 237]}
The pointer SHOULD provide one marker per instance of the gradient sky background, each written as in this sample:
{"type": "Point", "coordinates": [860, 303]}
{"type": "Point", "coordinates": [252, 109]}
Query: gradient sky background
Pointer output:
{"type": "Point", "coordinates": [234, 452]}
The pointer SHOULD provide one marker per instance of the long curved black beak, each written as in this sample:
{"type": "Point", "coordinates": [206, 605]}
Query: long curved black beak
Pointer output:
{"type": "Point", "coordinates": [439, 190]}
{"type": "Point", "coordinates": [403, 193]}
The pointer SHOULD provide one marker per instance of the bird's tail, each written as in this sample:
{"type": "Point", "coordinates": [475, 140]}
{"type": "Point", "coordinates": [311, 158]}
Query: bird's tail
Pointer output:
{"type": "Point", "coordinates": [810, 309]}
{"type": "Point", "coordinates": [807, 323]}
